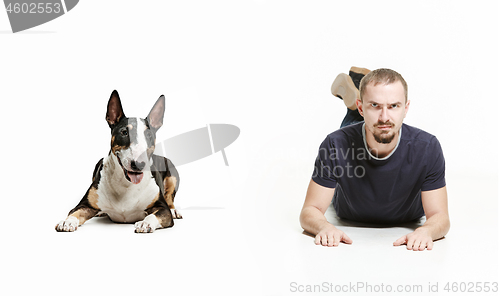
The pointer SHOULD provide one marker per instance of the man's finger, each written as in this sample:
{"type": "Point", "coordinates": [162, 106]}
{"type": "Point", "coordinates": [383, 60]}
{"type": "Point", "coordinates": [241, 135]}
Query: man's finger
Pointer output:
{"type": "Point", "coordinates": [317, 239]}
{"type": "Point", "coordinates": [331, 241]}
{"type": "Point", "coordinates": [409, 243]}
{"type": "Point", "coordinates": [346, 239]}
{"type": "Point", "coordinates": [430, 244]}
{"type": "Point", "coordinates": [400, 241]}
{"type": "Point", "coordinates": [423, 245]}
{"type": "Point", "coordinates": [335, 240]}
{"type": "Point", "coordinates": [417, 243]}
{"type": "Point", "coordinates": [324, 240]}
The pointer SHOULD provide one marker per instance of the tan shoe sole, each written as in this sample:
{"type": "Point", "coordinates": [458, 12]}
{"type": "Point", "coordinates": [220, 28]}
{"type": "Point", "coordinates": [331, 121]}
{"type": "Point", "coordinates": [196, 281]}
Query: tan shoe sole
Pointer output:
{"type": "Point", "coordinates": [344, 88]}
{"type": "Point", "coordinates": [363, 71]}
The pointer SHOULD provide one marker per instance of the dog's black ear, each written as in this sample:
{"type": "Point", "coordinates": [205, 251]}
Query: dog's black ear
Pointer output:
{"type": "Point", "coordinates": [155, 117]}
{"type": "Point", "coordinates": [115, 110]}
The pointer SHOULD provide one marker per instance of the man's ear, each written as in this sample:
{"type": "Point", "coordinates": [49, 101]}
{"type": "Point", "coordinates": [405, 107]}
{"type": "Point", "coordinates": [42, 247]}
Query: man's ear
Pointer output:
{"type": "Point", "coordinates": [359, 105]}
{"type": "Point", "coordinates": [407, 106]}
{"type": "Point", "coordinates": [115, 110]}
{"type": "Point", "coordinates": [155, 116]}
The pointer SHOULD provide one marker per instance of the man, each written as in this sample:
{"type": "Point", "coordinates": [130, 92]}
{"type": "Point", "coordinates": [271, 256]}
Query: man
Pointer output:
{"type": "Point", "coordinates": [378, 170]}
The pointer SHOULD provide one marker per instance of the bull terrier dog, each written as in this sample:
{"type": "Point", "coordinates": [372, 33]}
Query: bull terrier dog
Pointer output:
{"type": "Point", "coordinates": [131, 184]}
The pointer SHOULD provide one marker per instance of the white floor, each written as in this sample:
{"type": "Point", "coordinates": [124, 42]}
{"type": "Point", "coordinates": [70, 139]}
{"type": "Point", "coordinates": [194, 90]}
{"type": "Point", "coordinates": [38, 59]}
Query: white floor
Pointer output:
{"type": "Point", "coordinates": [248, 243]}
{"type": "Point", "coordinates": [469, 253]}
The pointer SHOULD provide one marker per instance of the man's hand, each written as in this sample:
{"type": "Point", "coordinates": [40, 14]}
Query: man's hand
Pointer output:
{"type": "Point", "coordinates": [331, 236]}
{"type": "Point", "coordinates": [435, 203]}
{"type": "Point", "coordinates": [417, 240]}
{"type": "Point", "coordinates": [312, 217]}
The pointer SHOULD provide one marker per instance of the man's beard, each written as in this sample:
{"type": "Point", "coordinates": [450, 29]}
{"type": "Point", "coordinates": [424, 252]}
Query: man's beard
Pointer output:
{"type": "Point", "coordinates": [384, 137]}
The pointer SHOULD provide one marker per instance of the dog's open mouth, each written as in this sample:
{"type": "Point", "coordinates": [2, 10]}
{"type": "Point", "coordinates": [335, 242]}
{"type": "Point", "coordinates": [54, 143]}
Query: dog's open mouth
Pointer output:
{"type": "Point", "coordinates": [134, 177]}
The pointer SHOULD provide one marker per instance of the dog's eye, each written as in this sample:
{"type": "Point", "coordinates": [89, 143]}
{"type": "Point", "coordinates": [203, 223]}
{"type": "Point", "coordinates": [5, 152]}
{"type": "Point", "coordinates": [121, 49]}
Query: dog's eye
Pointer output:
{"type": "Point", "coordinates": [124, 132]}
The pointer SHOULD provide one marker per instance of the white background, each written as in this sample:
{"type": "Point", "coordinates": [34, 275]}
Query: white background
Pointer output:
{"type": "Point", "coordinates": [266, 67]}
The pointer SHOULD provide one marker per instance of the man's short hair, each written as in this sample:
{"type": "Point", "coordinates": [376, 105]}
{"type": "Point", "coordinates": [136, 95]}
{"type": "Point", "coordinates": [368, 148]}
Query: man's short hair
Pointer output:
{"type": "Point", "coordinates": [385, 76]}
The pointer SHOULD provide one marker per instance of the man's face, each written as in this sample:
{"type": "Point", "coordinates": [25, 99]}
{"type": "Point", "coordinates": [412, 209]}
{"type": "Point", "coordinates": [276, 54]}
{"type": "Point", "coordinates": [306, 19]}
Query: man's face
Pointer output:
{"type": "Point", "coordinates": [384, 109]}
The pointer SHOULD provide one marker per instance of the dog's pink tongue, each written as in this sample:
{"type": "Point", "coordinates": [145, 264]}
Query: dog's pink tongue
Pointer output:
{"type": "Point", "coordinates": [135, 178]}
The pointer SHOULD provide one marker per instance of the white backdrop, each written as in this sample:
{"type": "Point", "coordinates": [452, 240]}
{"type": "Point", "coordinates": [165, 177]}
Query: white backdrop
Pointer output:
{"type": "Point", "coordinates": [264, 66]}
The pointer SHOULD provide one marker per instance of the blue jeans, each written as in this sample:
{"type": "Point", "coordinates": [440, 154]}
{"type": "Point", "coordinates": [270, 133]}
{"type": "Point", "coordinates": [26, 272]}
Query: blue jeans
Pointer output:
{"type": "Point", "coordinates": [351, 117]}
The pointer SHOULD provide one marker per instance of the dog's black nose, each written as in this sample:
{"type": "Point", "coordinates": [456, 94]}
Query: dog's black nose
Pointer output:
{"type": "Point", "coordinates": [137, 166]}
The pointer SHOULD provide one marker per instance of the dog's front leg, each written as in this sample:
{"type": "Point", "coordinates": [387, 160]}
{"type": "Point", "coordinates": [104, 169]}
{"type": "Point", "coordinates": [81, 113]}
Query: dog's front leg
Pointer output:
{"type": "Point", "coordinates": [86, 209]}
{"type": "Point", "coordinates": [76, 217]}
{"type": "Point", "coordinates": [158, 217]}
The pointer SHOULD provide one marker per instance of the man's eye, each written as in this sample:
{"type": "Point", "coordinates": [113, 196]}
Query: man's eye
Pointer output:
{"type": "Point", "coordinates": [374, 105]}
{"type": "Point", "coordinates": [394, 106]}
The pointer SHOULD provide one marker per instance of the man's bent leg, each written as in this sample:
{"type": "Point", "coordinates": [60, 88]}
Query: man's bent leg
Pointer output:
{"type": "Point", "coordinates": [352, 117]}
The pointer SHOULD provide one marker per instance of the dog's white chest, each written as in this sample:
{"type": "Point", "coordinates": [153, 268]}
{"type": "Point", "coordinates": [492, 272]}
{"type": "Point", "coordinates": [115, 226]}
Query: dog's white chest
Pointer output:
{"type": "Point", "coordinates": [126, 202]}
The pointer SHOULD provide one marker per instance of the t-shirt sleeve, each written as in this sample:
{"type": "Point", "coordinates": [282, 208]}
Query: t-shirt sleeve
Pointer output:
{"type": "Point", "coordinates": [324, 165]}
{"type": "Point", "coordinates": [435, 175]}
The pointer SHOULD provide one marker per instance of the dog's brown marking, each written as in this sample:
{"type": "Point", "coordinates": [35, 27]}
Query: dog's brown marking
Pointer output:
{"type": "Point", "coordinates": [165, 220]}
{"type": "Point", "coordinates": [93, 197]}
{"type": "Point", "coordinates": [169, 184]}
{"type": "Point", "coordinates": [117, 148]}
{"type": "Point", "coordinates": [163, 215]}
{"type": "Point", "coordinates": [83, 214]}
{"type": "Point", "coordinates": [150, 150]}
{"type": "Point", "coordinates": [114, 147]}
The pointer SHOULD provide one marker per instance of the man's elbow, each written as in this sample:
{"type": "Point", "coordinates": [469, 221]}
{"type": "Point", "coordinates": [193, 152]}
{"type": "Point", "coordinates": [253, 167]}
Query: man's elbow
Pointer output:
{"type": "Point", "coordinates": [306, 216]}
{"type": "Point", "coordinates": [303, 217]}
{"type": "Point", "coordinates": [447, 224]}
{"type": "Point", "coordinates": [442, 224]}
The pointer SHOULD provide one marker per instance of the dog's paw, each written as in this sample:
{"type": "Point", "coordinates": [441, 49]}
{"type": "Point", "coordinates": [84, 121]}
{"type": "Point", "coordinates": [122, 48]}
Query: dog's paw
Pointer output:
{"type": "Point", "coordinates": [143, 227]}
{"type": "Point", "coordinates": [68, 225]}
{"type": "Point", "coordinates": [148, 225]}
{"type": "Point", "coordinates": [176, 214]}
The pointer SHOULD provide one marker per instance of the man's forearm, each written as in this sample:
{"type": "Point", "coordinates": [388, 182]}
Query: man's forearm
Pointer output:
{"type": "Point", "coordinates": [312, 220]}
{"type": "Point", "coordinates": [437, 226]}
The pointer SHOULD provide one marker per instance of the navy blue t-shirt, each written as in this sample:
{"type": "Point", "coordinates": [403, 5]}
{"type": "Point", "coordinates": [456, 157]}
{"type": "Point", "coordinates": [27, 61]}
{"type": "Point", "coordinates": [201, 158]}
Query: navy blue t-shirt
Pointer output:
{"type": "Point", "coordinates": [379, 190]}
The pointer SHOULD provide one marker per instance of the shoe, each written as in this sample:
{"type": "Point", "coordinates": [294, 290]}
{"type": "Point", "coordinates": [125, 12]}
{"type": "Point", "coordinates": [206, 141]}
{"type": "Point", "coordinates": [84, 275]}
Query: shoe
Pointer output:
{"type": "Point", "coordinates": [357, 74]}
{"type": "Point", "coordinates": [344, 88]}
